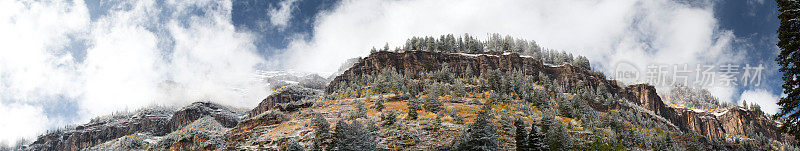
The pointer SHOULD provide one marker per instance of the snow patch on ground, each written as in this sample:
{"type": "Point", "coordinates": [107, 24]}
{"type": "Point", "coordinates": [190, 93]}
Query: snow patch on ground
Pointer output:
{"type": "Point", "coordinates": [720, 113]}
{"type": "Point", "coordinates": [474, 55]}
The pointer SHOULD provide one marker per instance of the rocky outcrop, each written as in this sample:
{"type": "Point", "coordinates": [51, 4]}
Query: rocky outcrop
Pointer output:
{"type": "Point", "coordinates": [150, 120]}
{"type": "Point", "coordinates": [730, 122]}
{"type": "Point", "coordinates": [206, 133]}
{"type": "Point", "coordinates": [737, 121]}
{"type": "Point", "coordinates": [226, 116]}
{"type": "Point", "coordinates": [415, 63]}
{"type": "Point", "coordinates": [645, 96]}
{"type": "Point", "coordinates": [244, 130]}
{"type": "Point", "coordinates": [288, 98]}
{"type": "Point", "coordinates": [278, 79]}
{"type": "Point", "coordinates": [153, 121]}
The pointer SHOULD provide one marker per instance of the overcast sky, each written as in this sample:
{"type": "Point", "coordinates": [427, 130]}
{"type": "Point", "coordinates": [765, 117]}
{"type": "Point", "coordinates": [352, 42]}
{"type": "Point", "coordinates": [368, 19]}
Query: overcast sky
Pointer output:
{"type": "Point", "coordinates": [64, 62]}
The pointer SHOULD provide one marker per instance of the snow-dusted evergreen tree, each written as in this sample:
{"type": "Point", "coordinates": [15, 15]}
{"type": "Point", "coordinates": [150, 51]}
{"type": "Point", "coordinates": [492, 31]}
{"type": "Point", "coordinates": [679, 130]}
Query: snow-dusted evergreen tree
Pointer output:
{"type": "Point", "coordinates": [353, 137]}
{"type": "Point", "coordinates": [468, 73]}
{"type": "Point", "coordinates": [458, 88]}
{"type": "Point", "coordinates": [536, 140]}
{"type": "Point", "coordinates": [388, 118]}
{"type": "Point", "coordinates": [444, 74]}
{"type": "Point", "coordinates": [481, 135]}
{"type": "Point", "coordinates": [431, 101]}
{"type": "Point", "coordinates": [412, 114]}
{"type": "Point", "coordinates": [413, 107]}
{"type": "Point", "coordinates": [323, 140]}
{"type": "Point", "coordinates": [379, 105]}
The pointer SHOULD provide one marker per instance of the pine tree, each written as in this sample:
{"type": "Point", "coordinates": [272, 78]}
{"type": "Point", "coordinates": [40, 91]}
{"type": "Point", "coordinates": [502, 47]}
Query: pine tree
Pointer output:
{"type": "Point", "coordinates": [481, 135]}
{"type": "Point", "coordinates": [458, 88]}
{"type": "Point", "coordinates": [323, 140]}
{"type": "Point", "coordinates": [744, 105]}
{"type": "Point", "coordinates": [413, 106]}
{"type": "Point", "coordinates": [468, 73]}
{"type": "Point", "coordinates": [412, 114]}
{"type": "Point", "coordinates": [536, 140]}
{"type": "Point", "coordinates": [431, 101]}
{"type": "Point", "coordinates": [436, 124]}
{"type": "Point", "coordinates": [521, 136]}
{"type": "Point", "coordinates": [294, 146]}
{"type": "Point", "coordinates": [388, 118]}
{"type": "Point", "coordinates": [353, 137]}
{"type": "Point", "coordinates": [789, 43]}
{"type": "Point", "coordinates": [379, 105]}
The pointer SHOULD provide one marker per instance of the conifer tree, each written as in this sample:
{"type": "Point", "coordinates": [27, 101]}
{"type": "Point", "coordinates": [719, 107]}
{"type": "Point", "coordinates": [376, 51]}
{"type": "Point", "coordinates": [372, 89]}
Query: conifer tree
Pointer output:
{"type": "Point", "coordinates": [353, 137]}
{"type": "Point", "coordinates": [294, 146]}
{"type": "Point", "coordinates": [481, 135]}
{"type": "Point", "coordinates": [789, 44]}
{"type": "Point", "coordinates": [536, 140]}
{"type": "Point", "coordinates": [521, 136]}
{"type": "Point", "coordinates": [389, 118]}
{"type": "Point", "coordinates": [323, 140]}
{"type": "Point", "coordinates": [379, 105]}
{"type": "Point", "coordinates": [413, 106]}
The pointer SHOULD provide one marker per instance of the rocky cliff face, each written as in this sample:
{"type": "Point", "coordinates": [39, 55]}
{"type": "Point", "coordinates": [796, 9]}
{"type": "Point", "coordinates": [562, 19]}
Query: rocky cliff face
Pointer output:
{"type": "Point", "coordinates": [151, 121]}
{"type": "Point", "coordinates": [731, 122]}
{"type": "Point", "coordinates": [154, 121]}
{"type": "Point", "coordinates": [287, 98]}
{"type": "Point", "coordinates": [726, 123]}
{"type": "Point", "coordinates": [415, 63]}
{"type": "Point", "coordinates": [226, 116]}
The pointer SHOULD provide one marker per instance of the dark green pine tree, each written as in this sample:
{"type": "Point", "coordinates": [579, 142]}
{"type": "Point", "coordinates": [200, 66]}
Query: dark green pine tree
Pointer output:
{"type": "Point", "coordinates": [481, 135]}
{"type": "Point", "coordinates": [536, 140]}
{"type": "Point", "coordinates": [521, 136]}
{"type": "Point", "coordinates": [789, 43]}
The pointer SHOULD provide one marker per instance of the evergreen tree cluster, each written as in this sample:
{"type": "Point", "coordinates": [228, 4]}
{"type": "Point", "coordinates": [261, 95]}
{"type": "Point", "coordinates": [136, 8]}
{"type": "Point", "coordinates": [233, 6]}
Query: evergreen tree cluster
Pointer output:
{"type": "Point", "coordinates": [561, 108]}
{"type": "Point", "coordinates": [528, 141]}
{"type": "Point", "coordinates": [495, 43]}
{"type": "Point", "coordinates": [348, 136]}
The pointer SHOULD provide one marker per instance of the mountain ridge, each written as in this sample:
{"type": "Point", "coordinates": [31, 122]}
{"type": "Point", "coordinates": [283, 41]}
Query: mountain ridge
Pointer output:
{"type": "Point", "coordinates": [286, 116]}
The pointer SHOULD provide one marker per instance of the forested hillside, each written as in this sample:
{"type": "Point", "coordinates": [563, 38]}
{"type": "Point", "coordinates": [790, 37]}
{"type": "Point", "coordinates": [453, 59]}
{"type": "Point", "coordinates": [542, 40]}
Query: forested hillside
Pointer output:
{"type": "Point", "coordinates": [444, 93]}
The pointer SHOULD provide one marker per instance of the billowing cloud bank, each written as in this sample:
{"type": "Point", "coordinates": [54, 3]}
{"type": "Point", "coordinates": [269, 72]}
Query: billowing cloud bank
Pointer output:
{"type": "Point", "coordinates": [57, 58]}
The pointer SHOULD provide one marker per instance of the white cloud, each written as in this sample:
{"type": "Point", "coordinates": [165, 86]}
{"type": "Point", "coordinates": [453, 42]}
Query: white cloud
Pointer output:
{"type": "Point", "coordinates": [763, 98]}
{"type": "Point", "coordinates": [138, 53]}
{"type": "Point", "coordinates": [607, 32]}
{"type": "Point", "coordinates": [33, 66]}
{"type": "Point", "coordinates": [215, 62]}
{"type": "Point", "coordinates": [20, 121]}
{"type": "Point", "coordinates": [280, 16]}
